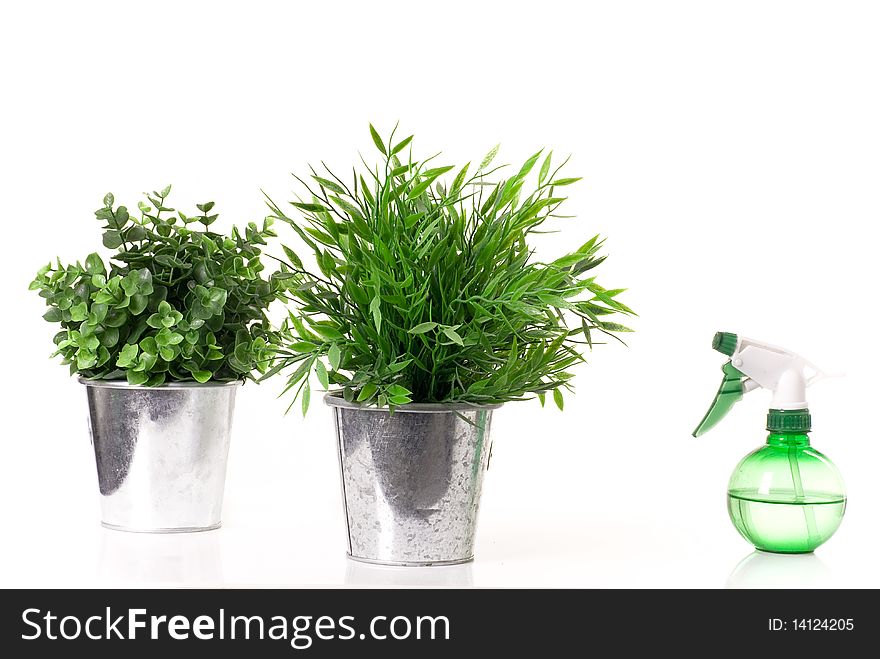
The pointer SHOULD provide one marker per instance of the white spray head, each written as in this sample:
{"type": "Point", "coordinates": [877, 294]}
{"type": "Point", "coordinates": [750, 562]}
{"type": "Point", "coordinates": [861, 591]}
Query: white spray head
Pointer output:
{"type": "Point", "coordinates": [782, 371]}
{"type": "Point", "coordinates": [753, 365]}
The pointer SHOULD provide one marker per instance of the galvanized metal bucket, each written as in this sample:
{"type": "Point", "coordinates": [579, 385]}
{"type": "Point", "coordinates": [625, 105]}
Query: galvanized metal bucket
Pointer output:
{"type": "Point", "coordinates": [411, 481]}
{"type": "Point", "coordinates": [161, 453]}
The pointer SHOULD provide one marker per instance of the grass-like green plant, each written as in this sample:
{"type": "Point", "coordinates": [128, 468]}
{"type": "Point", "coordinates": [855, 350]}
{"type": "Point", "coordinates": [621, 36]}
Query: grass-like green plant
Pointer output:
{"type": "Point", "coordinates": [176, 304]}
{"type": "Point", "coordinates": [428, 291]}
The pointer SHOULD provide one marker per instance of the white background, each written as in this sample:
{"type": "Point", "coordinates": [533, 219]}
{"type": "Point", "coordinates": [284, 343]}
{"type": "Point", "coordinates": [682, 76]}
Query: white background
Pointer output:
{"type": "Point", "coordinates": [730, 155]}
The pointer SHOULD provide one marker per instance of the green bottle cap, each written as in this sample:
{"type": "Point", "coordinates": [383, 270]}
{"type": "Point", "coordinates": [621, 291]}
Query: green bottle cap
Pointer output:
{"type": "Point", "coordinates": [725, 343]}
{"type": "Point", "coordinates": [789, 421]}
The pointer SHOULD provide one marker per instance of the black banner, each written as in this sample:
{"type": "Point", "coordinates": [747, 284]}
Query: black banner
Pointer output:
{"type": "Point", "coordinates": [279, 623]}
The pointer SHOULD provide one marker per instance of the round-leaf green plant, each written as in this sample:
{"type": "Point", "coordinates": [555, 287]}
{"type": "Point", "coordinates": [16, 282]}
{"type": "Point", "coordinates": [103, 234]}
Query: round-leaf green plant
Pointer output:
{"type": "Point", "coordinates": [178, 302]}
{"type": "Point", "coordinates": [427, 290]}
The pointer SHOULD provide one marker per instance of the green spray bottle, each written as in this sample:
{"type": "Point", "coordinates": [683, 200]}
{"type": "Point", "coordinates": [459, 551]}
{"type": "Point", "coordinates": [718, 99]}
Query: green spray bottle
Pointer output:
{"type": "Point", "coordinates": [785, 496]}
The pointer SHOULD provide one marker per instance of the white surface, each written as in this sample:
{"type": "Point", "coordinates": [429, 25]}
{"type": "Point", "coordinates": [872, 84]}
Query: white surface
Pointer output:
{"type": "Point", "coordinates": [730, 152]}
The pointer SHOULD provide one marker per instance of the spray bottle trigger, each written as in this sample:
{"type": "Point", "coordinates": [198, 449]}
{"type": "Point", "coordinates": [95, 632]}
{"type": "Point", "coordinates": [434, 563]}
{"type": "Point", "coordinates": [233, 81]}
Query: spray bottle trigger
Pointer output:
{"type": "Point", "coordinates": [729, 394]}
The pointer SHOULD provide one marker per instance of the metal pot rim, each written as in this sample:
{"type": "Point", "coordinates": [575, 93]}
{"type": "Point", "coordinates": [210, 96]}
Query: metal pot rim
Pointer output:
{"type": "Point", "coordinates": [123, 384]}
{"type": "Point", "coordinates": [334, 400]}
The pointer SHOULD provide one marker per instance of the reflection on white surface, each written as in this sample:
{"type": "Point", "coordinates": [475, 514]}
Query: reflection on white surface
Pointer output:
{"type": "Point", "coordinates": [448, 576]}
{"type": "Point", "coordinates": [181, 559]}
{"type": "Point", "coordinates": [764, 570]}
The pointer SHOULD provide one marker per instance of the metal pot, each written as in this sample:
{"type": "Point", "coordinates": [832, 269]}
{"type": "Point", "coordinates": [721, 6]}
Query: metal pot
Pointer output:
{"type": "Point", "coordinates": [161, 453]}
{"type": "Point", "coordinates": [411, 480]}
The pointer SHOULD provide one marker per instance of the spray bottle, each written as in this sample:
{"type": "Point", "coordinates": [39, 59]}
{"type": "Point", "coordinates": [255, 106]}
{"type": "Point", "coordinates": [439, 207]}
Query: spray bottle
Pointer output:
{"type": "Point", "coordinates": [784, 497]}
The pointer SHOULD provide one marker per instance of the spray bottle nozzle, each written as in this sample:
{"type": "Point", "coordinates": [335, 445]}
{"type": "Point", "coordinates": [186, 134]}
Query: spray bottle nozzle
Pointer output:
{"type": "Point", "coordinates": [753, 365]}
{"type": "Point", "coordinates": [725, 343]}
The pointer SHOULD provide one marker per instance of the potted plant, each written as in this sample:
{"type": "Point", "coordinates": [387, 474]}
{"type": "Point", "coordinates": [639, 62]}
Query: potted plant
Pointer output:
{"type": "Point", "coordinates": [161, 339]}
{"type": "Point", "coordinates": [427, 310]}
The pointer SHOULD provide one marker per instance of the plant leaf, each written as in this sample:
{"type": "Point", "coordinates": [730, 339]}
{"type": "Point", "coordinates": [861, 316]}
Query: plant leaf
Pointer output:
{"type": "Point", "coordinates": [421, 328]}
{"type": "Point", "coordinates": [367, 392]}
{"type": "Point", "coordinates": [333, 356]}
{"type": "Point", "coordinates": [565, 181]}
{"type": "Point", "coordinates": [201, 376]}
{"type": "Point", "coordinates": [400, 146]}
{"type": "Point", "coordinates": [330, 185]}
{"type": "Point", "coordinates": [545, 168]}
{"type": "Point", "coordinates": [377, 312]}
{"type": "Point", "coordinates": [489, 157]}
{"type": "Point", "coordinates": [557, 398]}
{"type": "Point", "coordinates": [313, 208]}
{"type": "Point", "coordinates": [94, 264]}
{"type": "Point", "coordinates": [306, 397]}
{"type": "Point", "coordinates": [321, 372]}
{"type": "Point", "coordinates": [453, 335]}
{"type": "Point", "coordinates": [377, 140]}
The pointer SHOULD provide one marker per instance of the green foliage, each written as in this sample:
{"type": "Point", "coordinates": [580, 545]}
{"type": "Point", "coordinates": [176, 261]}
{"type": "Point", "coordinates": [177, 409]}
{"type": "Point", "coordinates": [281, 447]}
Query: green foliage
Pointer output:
{"type": "Point", "coordinates": [429, 292]}
{"type": "Point", "coordinates": [177, 303]}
